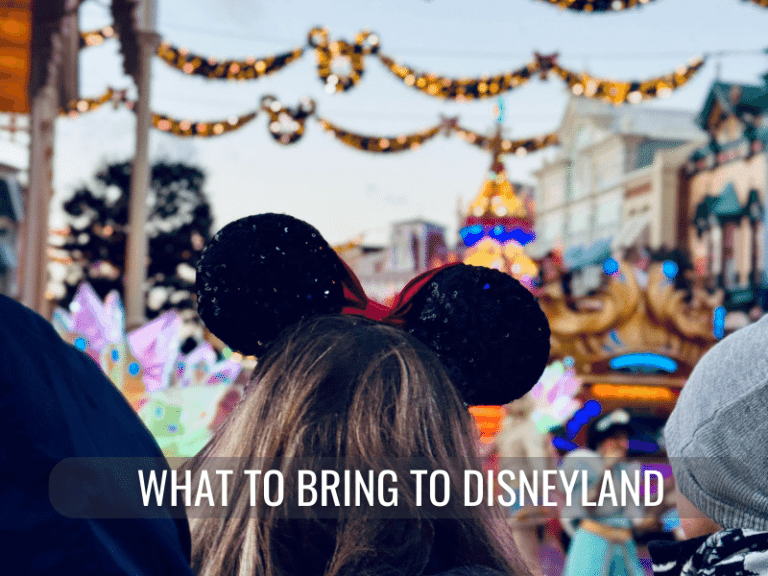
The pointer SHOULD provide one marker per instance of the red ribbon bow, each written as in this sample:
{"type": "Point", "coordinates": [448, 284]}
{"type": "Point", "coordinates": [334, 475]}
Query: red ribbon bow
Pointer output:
{"type": "Point", "coordinates": [359, 304]}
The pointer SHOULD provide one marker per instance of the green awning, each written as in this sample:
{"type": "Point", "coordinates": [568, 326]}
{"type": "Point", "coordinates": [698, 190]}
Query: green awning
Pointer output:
{"type": "Point", "coordinates": [728, 206]}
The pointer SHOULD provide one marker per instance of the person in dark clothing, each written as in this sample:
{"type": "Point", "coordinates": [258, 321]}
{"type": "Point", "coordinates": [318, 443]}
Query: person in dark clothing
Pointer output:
{"type": "Point", "coordinates": [55, 404]}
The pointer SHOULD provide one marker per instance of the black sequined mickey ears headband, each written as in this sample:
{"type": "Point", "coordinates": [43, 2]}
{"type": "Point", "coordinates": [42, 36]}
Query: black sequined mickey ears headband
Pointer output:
{"type": "Point", "coordinates": [262, 274]}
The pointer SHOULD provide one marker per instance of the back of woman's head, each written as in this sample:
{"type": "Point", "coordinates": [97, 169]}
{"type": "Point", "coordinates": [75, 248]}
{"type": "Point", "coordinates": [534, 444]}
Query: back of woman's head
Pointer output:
{"type": "Point", "coordinates": [348, 387]}
{"type": "Point", "coordinates": [346, 392]}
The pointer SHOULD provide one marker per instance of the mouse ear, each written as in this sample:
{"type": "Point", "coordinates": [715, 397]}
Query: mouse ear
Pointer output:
{"type": "Point", "coordinates": [262, 274]}
{"type": "Point", "coordinates": [486, 328]}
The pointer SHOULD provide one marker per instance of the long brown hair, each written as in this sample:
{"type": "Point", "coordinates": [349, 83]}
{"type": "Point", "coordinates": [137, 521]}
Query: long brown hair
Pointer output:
{"type": "Point", "coordinates": [345, 387]}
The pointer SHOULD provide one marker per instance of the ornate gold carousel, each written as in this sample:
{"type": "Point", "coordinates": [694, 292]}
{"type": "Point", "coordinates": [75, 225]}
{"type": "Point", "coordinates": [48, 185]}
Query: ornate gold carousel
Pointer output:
{"type": "Point", "coordinates": [634, 341]}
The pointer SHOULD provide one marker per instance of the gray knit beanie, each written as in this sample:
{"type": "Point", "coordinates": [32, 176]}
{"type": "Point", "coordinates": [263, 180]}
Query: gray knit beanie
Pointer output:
{"type": "Point", "coordinates": [717, 435]}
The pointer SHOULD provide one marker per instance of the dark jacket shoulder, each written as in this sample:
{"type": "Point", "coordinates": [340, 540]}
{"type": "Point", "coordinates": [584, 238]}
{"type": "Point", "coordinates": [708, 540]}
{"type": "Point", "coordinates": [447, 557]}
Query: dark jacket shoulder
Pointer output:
{"type": "Point", "coordinates": [55, 404]}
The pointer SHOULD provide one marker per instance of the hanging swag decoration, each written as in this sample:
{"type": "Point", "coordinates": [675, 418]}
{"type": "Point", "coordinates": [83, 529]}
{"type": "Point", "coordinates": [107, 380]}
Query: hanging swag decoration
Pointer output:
{"type": "Point", "coordinates": [597, 5]}
{"type": "Point", "coordinates": [287, 126]}
{"type": "Point", "coordinates": [341, 65]}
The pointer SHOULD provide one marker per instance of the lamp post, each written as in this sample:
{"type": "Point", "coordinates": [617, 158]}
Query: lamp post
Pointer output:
{"type": "Point", "coordinates": [137, 241]}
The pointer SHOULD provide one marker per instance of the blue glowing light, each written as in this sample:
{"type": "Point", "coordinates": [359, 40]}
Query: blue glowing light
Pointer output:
{"type": "Point", "coordinates": [115, 355]}
{"type": "Point", "coordinates": [640, 446]}
{"type": "Point", "coordinates": [81, 344]}
{"type": "Point", "coordinates": [134, 368]}
{"type": "Point", "coordinates": [568, 361]}
{"type": "Point", "coordinates": [610, 266]}
{"type": "Point", "coordinates": [172, 428]}
{"type": "Point", "coordinates": [590, 409]}
{"type": "Point", "coordinates": [486, 287]}
{"type": "Point", "coordinates": [670, 269]}
{"type": "Point", "coordinates": [643, 362]}
{"type": "Point", "coordinates": [159, 412]}
{"type": "Point", "coordinates": [563, 444]}
{"type": "Point", "coordinates": [521, 236]}
{"type": "Point", "coordinates": [501, 234]}
{"type": "Point", "coordinates": [471, 235]}
{"type": "Point", "coordinates": [719, 322]}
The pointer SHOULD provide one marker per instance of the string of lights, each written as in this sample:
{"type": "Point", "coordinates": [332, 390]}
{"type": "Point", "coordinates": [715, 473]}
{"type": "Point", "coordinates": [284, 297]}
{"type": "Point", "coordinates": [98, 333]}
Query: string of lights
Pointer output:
{"type": "Point", "coordinates": [247, 69]}
{"type": "Point", "coordinates": [341, 65]}
{"type": "Point", "coordinates": [381, 144]}
{"type": "Point", "coordinates": [482, 54]}
{"type": "Point", "coordinates": [618, 92]}
{"type": "Point", "coordinates": [96, 37]}
{"type": "Point", "coordinates": [191, 128]}
{"type": "Point", "coordinates": [287, 125]}
{"type": "Point", "coordinates": [76, 107]}
{"type": "Point", "coordinates": [518, 147]}
{"type": "Point", "coordinates": [463, 88]}
{"type": "Point", "coordinates": [597, 5]}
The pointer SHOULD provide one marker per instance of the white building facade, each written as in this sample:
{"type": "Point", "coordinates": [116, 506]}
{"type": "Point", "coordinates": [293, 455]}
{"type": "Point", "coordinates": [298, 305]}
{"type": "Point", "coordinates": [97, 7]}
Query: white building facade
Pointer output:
{"type": "Point", "coordinates": [613, 183]}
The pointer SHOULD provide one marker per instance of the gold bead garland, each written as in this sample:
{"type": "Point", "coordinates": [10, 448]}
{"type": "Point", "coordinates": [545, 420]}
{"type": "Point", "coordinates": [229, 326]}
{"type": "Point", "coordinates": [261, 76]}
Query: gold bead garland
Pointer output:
{"type": "Point", "coordinates": [204, 129]}
{"type": "Point", "coordinates": [76, 107]}
{"type": "Point", "coordinates": [340, 65]}
{"type": "Point", "coordinates": [506, 146]}
{"type": "Point", "coordinates": [383, 145]}
{"type": "Point", "coordinates": [618, 92]}
{"type": "Point", "coordinates": [598, 5]}
{"type": "Point", "coordinates": [96, 37]}
{"type": "Point", "coordinates": [247, 69]}
{"type": "Point", "coordinates": [287, 125]}
{"type": "Point", "coordinates": [460, 89]}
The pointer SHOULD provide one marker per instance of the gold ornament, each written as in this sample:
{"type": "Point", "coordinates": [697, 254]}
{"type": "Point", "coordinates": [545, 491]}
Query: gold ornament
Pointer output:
{"type": "Point", "coordinates": [339, 63]}
{"type": "Point", "coordinates": [287, 125]}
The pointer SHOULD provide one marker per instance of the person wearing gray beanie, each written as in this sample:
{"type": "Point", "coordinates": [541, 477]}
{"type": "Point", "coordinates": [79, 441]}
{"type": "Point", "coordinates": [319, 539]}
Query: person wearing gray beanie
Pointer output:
{"type": "Point", "coordinates": [716, 438]}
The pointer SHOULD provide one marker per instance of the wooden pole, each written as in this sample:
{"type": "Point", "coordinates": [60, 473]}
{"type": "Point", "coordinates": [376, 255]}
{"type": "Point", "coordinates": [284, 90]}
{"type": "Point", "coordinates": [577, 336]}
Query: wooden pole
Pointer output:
{"type": "Point", "coordinates": [137, 248]}
{"type": "Point", "coordinates": [35, 259]}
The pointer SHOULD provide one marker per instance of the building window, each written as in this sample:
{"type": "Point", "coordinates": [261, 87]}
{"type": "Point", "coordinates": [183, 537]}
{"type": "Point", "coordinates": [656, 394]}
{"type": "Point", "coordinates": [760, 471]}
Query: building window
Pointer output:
{"type": "Point", "coordinates": [608, 211]}
{"type": "Point", "coordinates": [579, 220]}
{"type": "Point", "coordinates": [583, 138]}
{"type": "Point", "coordinates": [583, 179]}
{"type": "Point", "coordinates": [554, 189]}
{"type": "Point", "coordinates": [552, 227]}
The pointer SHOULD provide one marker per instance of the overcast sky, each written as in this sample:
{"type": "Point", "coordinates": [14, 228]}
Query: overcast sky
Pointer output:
{"type": "Point", "coordinates": [345, 192]}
